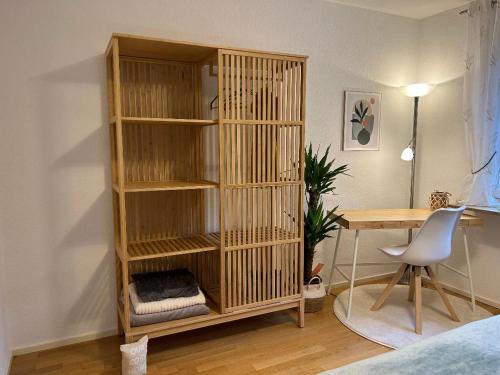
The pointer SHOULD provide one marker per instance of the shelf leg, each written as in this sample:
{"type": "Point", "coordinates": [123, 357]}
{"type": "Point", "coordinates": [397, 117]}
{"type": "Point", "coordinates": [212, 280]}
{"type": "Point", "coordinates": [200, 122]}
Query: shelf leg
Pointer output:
{"type": "Point", "coordinates": [334, 259]}
{"type": "Point", "coordinates": [119, 327]}
{"type": "Point", "coordinates": [301, 311]}
{"type": "Point", "coordinates": [353, 273]}
{"type": "Point", "coordinates": [129, 339]}
{"type": "Point", "coordinates": [469, 273]}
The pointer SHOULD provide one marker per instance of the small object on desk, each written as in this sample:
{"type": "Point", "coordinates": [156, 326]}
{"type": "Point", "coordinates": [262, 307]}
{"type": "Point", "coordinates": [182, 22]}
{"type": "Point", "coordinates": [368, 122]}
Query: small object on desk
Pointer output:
{"type": "Point", "coordinates": [439, 199]}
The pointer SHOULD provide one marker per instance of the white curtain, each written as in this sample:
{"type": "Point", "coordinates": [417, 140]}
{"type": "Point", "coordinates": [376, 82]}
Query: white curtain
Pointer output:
{"type": "Point", "coordinates": [482, 104]}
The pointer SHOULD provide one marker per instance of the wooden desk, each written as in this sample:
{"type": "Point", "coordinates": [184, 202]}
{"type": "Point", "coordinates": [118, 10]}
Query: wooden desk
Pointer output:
{"type": "Point", "coordinates": [391, 219]}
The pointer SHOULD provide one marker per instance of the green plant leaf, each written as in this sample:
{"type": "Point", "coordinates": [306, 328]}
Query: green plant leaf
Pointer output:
{"type": "Point", "coordinates": [319, 176]}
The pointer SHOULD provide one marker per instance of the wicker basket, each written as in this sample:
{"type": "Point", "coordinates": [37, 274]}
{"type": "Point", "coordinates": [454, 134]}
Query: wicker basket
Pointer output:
{"type": "Point", "coordinates": [439, 199]}
{"type": "Point", "coordinates": [314, 295]}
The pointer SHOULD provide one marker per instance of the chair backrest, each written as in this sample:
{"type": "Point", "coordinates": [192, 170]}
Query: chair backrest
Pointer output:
{"type": "Point", "coordinates": [432, 244]}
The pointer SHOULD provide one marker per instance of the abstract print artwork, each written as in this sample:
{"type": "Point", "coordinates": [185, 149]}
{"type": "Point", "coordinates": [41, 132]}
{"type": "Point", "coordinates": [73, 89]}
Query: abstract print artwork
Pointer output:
{"type": "Point", "coordinates": [361, 120]}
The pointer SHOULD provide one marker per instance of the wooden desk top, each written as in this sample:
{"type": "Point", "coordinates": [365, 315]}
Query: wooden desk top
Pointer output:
{"type": "Point", "coordinates": [393, 218]}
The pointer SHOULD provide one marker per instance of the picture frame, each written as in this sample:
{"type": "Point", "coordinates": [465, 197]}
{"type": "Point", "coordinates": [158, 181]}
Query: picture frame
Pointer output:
{"type": "Point", "coordinates": [361, 130]}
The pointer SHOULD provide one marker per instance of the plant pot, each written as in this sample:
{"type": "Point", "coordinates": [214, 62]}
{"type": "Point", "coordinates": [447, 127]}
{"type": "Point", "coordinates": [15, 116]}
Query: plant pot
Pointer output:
{"type": "Point", "coordinates": [314, 295]}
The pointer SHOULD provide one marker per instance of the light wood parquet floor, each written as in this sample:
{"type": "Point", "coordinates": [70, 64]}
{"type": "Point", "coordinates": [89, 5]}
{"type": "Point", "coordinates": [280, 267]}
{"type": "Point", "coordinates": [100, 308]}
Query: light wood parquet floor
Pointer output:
{"type": "Point", "coordinates": [269, 344]}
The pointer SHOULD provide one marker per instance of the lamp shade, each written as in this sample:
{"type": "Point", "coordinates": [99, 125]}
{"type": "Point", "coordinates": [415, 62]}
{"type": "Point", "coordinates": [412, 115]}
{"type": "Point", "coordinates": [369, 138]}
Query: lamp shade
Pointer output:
{"type": "Point", "coordinates": [407, 154]}
{"type": "Point", "coordinates": [417, 89]}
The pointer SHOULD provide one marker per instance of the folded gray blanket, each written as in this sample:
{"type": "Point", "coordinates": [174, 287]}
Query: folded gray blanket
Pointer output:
{"type": "Point", "coordinates": [155, 286]}
{"type": "Point", "coordinates": [186, 312]}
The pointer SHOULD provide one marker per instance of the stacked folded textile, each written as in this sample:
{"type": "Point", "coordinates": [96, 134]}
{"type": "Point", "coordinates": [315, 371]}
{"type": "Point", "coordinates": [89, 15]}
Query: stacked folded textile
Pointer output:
{"type": "Point", "coordinates": [163, 296]}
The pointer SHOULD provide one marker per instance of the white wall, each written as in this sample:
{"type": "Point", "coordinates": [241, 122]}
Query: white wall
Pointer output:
{"type": "Point", "coordinates": [442, 161]}
{"type": "Point", "coordinates": [5, 352]}
{"type": "Point", "coordinates": [55, 198]}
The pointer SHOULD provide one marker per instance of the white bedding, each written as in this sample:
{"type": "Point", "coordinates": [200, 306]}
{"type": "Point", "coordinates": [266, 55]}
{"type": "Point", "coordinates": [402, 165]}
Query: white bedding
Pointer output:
{"type": "Point", "coordinates": [165, 304]}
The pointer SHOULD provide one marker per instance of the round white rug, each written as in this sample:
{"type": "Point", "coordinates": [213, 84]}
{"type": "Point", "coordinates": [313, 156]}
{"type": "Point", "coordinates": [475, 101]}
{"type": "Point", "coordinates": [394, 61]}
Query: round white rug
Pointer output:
{"type": "Point", "coordinates": [393, 325]}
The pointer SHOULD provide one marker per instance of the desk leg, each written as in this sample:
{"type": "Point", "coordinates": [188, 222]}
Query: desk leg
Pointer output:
{"type": "Point", "coordinates": [353, 273]}
{"type": "Point", "coordinates": [330, 279]}
{"type": "Point", "coordinates": [469, 273]}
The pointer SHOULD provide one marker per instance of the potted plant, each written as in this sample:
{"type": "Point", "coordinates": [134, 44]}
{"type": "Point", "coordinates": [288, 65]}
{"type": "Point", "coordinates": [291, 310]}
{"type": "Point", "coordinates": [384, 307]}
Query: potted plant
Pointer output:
{"type": "Point", "coordinates": [319, 176]}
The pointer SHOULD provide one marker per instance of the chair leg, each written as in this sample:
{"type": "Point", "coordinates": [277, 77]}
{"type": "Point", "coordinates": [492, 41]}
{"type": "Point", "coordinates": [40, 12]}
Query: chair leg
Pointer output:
{"type": "Point", "coordinates": [411, 290]}
{"type": "Point", "coordinates": [442, 294]}
{"type": "Point", "coordinates": [399, 274]}
{"type": "Point", "coordinates": [418, 301]}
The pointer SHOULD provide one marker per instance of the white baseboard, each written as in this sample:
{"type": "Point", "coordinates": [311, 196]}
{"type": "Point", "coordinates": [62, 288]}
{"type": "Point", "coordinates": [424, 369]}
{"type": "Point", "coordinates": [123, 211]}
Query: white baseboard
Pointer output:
{"type": "Point", "coordinates": [10, 363]}
{"type": "Point", "coordinates": [6, 370]}
{"type": "Point", "coordinates": [112, 332]}
{"type": "Point", "coordinates": [63, 342]}
{"type": "Point", "coordinates": [362, 279]}
{"type": "Point", "coordinates": [466, 294]}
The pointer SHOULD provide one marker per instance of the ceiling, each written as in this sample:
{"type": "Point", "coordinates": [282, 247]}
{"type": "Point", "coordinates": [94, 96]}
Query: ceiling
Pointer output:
{"type": "Point", "coordinates": [417, 9]}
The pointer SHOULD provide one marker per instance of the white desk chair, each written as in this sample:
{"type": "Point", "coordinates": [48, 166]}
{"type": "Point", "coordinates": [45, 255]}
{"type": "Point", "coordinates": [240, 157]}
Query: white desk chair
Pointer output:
{"type": "Point", "coordinates": [430, 246]}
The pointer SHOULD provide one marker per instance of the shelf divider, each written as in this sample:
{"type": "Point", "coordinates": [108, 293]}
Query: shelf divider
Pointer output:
{"type": "Point", "coordinates": [170, 247]}
{"type": "Point", "coordinates": [142, 186]}
{"type": "Point", "coordinates": [167, 121]}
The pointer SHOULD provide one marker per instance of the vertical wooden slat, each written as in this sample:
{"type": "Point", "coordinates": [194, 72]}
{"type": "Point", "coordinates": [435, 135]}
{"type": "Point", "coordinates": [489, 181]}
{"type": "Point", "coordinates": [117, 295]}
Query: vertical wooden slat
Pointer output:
{"type": "Point", "coordinates": [243, 88]}
{"type": "Point", "coordinates": [123, 81]}
{"type": "Point", "coordinates": [296, 280]}
{"type": "Point", "coordinates": [280, 90]}
{"type": "Point", "coordinates": [222, 179]}
{"type": "Point", "coordinates": [121, 179]}
{"type": "Point", "coordinates": [301, 166]}
{"type": "Point", "coordinates": [238, 87]}
{"type": "Point", "coordinates": [226, 87]}
{"type": "Point", "coordinates": [233, 88]}
{"type": "Point", "coordinates": [269, 89]}
{"type": "Point", "coordinates": [259, 88]}
{"type": "Point", "coordinates": [240, 276]}
{"type": "Point", "coordinates": [254, 179]}
{"type": "Point", "coordinates": [229, 279]}
{"type": "Point", "coordinates": [264, 89]}
{"type": "Point", "coordinates": [293, 88]}
{"type": "Point", "coordinates": [243, 277]}
{"type": "Point", "coordinates": [151, 87]}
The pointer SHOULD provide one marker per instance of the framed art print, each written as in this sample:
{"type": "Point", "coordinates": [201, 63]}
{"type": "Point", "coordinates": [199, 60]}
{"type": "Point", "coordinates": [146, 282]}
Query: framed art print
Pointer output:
{"type": "Point", "coordinates": [361, 120]}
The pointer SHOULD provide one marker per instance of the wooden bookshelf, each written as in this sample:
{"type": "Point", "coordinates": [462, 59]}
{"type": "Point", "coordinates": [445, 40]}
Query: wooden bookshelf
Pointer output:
{"type": "Point", "coordinates": [183, 174]}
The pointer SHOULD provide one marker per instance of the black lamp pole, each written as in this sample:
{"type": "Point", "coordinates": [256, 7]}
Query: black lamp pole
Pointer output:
{"type": "Point", "coordinates": [413, 161]}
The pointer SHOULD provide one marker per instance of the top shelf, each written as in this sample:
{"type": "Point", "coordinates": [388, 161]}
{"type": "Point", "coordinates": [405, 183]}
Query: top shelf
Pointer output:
{"type": "Point", "coordinates": [136, 46]}
{"type": "Point", "coordinates": [166, 49]}
{"type": "Point", "coordinates": [165, 121]}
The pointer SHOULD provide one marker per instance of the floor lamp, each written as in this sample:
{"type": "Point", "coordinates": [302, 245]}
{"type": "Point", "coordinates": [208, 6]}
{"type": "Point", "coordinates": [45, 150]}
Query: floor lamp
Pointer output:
{"type": "Point", "coordinates": [415, 91]}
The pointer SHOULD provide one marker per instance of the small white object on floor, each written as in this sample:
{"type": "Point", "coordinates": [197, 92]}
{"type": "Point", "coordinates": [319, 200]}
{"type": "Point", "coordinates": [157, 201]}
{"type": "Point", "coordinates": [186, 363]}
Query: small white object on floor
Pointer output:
{"type": "Point", "coordinates": [393, 325]}
{"type": "Point", "coordinates": [134, 357]}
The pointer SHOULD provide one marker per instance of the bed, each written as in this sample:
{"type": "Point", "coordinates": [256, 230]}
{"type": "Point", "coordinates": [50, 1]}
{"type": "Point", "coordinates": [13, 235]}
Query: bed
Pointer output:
{"type": "Point", "coordinates": [470, 349]}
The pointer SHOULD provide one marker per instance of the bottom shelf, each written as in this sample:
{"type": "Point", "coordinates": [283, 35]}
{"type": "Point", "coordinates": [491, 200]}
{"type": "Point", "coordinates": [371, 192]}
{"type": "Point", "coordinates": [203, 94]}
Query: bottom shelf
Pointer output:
{"type": "Point", "coordinates": [213, 318]}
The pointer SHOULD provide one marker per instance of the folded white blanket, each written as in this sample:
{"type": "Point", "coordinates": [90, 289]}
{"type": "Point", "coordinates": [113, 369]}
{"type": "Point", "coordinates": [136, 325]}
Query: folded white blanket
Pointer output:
{"type": "Point", "coordinates": [164, 304]}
